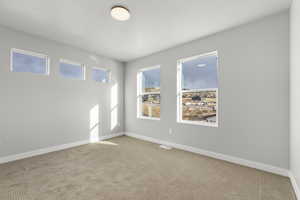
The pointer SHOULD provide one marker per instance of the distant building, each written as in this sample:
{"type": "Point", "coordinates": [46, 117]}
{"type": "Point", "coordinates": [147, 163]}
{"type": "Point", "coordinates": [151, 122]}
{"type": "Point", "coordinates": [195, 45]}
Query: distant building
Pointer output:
{"type": "Point", "coordinates": [196, 98]}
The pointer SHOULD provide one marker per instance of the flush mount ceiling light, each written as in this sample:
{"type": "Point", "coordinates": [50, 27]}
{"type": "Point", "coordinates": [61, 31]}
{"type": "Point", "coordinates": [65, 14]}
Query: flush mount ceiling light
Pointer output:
{"type": "Point", "coordinates": [120, 13]}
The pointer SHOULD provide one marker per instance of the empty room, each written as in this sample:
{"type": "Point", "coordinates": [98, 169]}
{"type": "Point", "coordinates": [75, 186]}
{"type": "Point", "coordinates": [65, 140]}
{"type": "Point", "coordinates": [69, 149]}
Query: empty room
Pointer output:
{"type": "Point", "coordinates": [150, 100]}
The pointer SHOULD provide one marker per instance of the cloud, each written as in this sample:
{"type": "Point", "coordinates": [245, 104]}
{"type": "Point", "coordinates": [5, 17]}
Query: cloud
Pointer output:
{"type": "Point", "coordinates": [195, 77]}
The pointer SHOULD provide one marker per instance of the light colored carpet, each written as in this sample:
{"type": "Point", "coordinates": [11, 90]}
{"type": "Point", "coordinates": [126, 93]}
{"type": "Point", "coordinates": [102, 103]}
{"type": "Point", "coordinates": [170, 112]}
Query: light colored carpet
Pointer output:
{"type": "Point", "coordinates": [129, 169]}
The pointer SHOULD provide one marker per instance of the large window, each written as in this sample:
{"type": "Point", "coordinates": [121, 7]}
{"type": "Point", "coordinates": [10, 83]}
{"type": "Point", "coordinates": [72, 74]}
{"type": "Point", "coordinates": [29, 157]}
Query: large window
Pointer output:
{"type": "Point", "coordinates": [72, 70]}
{"type": "Point", "coordinates": [148, 93]}
{"type": "Point", "coordinates": [101, 75]}
{"type": "Point", "coordinates": [197, 98]}
{"type": "Point", "coordinates": [27, 61]}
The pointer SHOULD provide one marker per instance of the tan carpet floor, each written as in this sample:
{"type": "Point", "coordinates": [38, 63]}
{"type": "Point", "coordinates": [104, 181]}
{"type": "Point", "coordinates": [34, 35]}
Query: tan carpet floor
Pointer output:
{"type": "Point", "coordinates": [129, 169]}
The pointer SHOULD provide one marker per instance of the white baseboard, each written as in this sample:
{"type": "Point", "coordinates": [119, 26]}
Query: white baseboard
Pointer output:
{"type": "Point", "coordinates": [295, 185]}
{"type": "Point", "coordinates": [247, 163]}
{"type": "Point", "coordinates": [52, 149]}
{"type": "Point", "coordinates": [41, 151]}
{"type": "Point", "coordinates": [232, 159]}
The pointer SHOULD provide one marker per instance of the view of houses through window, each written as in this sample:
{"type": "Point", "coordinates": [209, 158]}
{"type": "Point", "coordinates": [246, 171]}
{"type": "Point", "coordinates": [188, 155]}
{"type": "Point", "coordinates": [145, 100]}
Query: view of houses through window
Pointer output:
{"type": "Point", "coordinates": [149, 93]}
{"type": "Point", "coordinates": [198, 90]}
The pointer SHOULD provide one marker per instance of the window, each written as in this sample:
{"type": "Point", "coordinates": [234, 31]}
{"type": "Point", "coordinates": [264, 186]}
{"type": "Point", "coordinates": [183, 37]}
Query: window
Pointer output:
{"type": "Point", "coordinates": [26, 61]}
{"type": "Point", "coordinates": [197, 98]}
{"type": "Point", "coordinates": [148, 94]}
{"type": "Point", "coordinates": [101, 75]}
{"type": "Point", "coordinates": [71, 70]}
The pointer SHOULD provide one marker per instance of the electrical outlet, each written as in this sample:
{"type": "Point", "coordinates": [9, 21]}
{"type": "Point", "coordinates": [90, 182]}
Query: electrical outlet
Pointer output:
{"type": "Point", "coordinates": [170, 131]}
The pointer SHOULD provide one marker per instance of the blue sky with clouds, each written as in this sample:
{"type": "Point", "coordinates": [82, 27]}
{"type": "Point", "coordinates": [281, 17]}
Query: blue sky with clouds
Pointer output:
{"type": "Point", "coordinates": [200, 73]}
{"type": "Point", "coordinates": [71, 71]}
{"type": "Point", "coordinates": [151, 78]}
{"type": "Point", "coordinates": [99, 75]}
{"type": "Point", "coordinates": [28, 63]}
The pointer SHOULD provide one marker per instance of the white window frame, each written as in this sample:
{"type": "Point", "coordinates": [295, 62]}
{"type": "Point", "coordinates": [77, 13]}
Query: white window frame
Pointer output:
{"type": "Point", "coordinates": [104, 69]}
{"type": "Point", "coordinates": [180, 92]}
{"type": "Point", "coordinates": [30, 53]}
{"type": "Point", "coordinates": [140, 93]}
{"type": "Point", "coordinates": [74, 63]}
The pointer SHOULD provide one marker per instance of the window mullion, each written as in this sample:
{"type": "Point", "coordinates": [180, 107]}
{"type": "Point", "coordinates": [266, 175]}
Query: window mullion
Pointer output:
{"type": "Point", "coordinates": [149, 93]}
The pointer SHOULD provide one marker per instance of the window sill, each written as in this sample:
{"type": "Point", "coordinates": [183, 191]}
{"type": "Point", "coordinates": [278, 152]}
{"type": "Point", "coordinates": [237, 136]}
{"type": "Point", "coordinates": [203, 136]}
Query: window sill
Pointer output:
{"type": "Point", "coordinates": [150, 118]}
{"type": "Point", "coordinates": [199, 123]}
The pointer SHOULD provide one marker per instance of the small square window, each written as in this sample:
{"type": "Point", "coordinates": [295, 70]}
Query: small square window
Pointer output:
{"type": "Point", "coordinates": [26, 61]}
{"type": "Point", "coordinates": [71, 70]}
{"type": "Point", "coordinates": [101, 75]}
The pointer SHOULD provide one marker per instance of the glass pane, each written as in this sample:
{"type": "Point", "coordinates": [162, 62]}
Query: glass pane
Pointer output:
{"type": "Point", "coordinates": [151, 80]}
{"type": "Point", "coordinates": [151, 105]}
{"type": "Point", "coordinates": [100, 75]}
{"type": "Point", "coordinates": [71, 71]}
{"type": "Point", "coordinates": [29, 63]}
{"type": "Point", "coordinates": [199, 106]}
{"type": "Point", "coordinates": [200, 73]}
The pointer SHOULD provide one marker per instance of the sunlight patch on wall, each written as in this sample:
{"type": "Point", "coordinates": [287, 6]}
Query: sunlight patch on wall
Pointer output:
{"type": "Point", "coordinates": [114, 118]}
{"type": "Point", "coordinates": [94, 124]}
{"type": "Point", "coordinates": [114, 107]}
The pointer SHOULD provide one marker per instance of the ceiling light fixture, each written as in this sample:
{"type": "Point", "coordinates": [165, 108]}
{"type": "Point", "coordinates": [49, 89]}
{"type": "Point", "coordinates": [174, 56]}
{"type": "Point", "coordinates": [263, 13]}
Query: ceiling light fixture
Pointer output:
{"type": "Point", "coordinates": [120, 13]}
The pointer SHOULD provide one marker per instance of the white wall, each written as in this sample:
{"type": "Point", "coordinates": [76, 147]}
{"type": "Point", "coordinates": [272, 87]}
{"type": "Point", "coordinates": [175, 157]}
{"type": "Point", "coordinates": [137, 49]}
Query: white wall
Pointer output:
{"type": "Point", "coordinates": [43, 111]}
{"type": "Point", "coordinates": [295, 91]}
{"type": "Point", "coordinates": [254, 93]}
